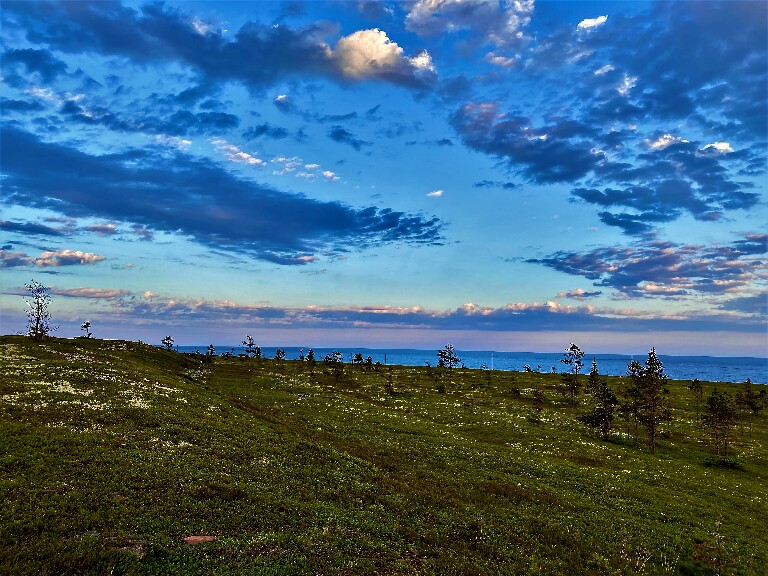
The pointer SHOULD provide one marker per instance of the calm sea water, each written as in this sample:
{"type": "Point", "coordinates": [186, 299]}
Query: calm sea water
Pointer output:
{"type": "Point", "coordinates": [706, 368]}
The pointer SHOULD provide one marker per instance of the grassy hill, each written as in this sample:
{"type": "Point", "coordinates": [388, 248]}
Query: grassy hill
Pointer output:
{"type": "Point", "coordinates": [112, 453]}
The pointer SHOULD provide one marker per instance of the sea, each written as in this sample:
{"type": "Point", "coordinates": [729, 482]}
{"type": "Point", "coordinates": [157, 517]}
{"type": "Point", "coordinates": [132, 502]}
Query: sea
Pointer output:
{"type": "Point", "coordinates": [705, 368]}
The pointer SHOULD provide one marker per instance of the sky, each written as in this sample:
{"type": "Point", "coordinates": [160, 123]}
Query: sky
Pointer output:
{"type": "Point", "coordinates": [501, 175]}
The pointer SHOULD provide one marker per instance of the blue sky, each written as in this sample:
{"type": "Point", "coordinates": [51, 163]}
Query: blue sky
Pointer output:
{"type": "Point", "coordinates": [500, 175]}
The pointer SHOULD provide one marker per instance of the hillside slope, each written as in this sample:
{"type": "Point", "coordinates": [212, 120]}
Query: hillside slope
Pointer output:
{"type": "Point", "coordinates": [113, 453]}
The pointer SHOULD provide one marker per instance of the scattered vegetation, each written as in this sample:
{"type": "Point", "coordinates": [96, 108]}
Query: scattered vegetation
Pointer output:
{"type": "Point", "coordinates": [118, 457]}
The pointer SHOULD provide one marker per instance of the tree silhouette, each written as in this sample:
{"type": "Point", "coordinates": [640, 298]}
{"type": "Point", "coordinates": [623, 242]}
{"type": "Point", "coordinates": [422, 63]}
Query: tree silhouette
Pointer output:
{"type": "Point", "coordinates": [38, 316]}
{"type": "Point", "coordinates": [447, 357]}
{"type": "Point", "coordinates": [570, 379]}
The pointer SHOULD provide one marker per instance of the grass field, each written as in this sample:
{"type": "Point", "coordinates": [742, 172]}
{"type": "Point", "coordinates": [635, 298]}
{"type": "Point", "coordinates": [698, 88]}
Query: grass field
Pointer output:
{"type": "Point", "coordinates": [112, 453]}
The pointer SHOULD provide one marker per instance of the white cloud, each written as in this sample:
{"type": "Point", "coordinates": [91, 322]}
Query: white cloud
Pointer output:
{"type": "Point", "coordinates": [201, 27]}
{"type": "Point", "coordinates": [422, 63]}
{"type": "Point", "coordinates": [627, 84]}
{"type": "Point", "coordinates": [497, 21]}
{"type": "Point", "coordinates": [500, 61]}
{"type": "Point", "coordinates": [367, 53]}
{"type": "Point", "coordinates": [435, 194]}
{"type": "Point", "coordinates": [91, 292]}
{"type": "Point", "coordinates": [719, 147]}
{"type": "Point", "coordinates": [664, 141]}
{"type": "Point", "coordinates": [234, 154]}
{"type": "Point", "coordinates": [604, 70]}
{"type": "Point", "coordinates": [43, 93]}
{"type": "Point", "coordinates": [590, 23]}
{"type": "Point", "coordinates": [66, 258]}
{"type": "Point", "coordinates": [174, 141]}
{"type": "Point", "coordinates": [297, 166]}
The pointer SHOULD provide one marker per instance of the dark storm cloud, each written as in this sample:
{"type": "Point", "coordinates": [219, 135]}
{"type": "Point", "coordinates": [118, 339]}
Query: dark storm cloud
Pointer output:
{"type": "Point", "coordinates": [259, 55]}
{"type": "Point", "coordinates": [341, 134]}
{"type": "Point", "coordinates": [195, 197]}
{"type": "Point", "coordinates": [652, 268]}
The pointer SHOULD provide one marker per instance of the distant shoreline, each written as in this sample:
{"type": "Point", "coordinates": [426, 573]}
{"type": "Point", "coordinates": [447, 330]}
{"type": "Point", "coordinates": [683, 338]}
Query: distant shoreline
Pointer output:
{"type": "Point", "coordinates": [706, 368]}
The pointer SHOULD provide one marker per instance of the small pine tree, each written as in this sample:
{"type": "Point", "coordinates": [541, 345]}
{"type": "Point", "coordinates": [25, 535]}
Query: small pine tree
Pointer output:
{"type": "Point", "coordinates": [167, 342]}
{"type": "Point", "coordinates": [698, 394]}
{"type": "Point", "coordinates": [630, 408]}
{"type": "Point", "coordinates": [654, 397]}
{"type": "Point", "coordinates": [605, 403]}
{"type": "Point", "coordinates": [570, 379]}
{"type": "Point", "coordinates": [250, 346]}
{"type": "Point", "coordinates": [593, 382]}
{"type": "Point", "coordinates": [335, 361]}
{"type": "Point", "coordinates": [447, 358]}
{"type": "Point", "coordinates": [311, 361]}
{"type": "Point", "coordinates": [720, 418]}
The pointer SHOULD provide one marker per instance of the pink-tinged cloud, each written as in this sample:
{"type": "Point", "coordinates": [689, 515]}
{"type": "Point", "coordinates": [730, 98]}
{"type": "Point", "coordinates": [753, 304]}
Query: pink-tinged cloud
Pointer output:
{"type": "Point", "coordinates": [48, 259]}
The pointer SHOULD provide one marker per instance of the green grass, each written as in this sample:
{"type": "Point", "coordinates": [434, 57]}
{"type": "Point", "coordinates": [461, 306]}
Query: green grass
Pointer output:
{"type": "Point", "coordinates": [111, 453]}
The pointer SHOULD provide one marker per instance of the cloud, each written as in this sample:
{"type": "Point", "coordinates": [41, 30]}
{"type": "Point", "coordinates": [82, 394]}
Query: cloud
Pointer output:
{"type": "Point", "coordinates": [653, 268]}
{"type": "Point", "coordinates": [371, 54]}
{"type": "Point", "coordinates": [49, 259]}
{"type": "Point", "coordinates": [515, 316]}
{"type": "Point", "coordinates": [91, 293]}
{"type": "Point", "coordinates": [718, 148]}
{"type": "Point", "coordinates": [167, 127]}
{"type": "Point", "coordinates": [559, 152]}
{"type": "Point", "coordinates": [40, 62]}
{"type": "Point", "coordinates": [341, 134]}
{"type": "Point", "coordinates": [495, 22]}
{"type": "Point", "coordinates": [435, 194]}
{"type": "Point", "coordinates": [9, 105]}
{"type": "Point", "coordinates": [179, 194]}
{"type": "Point", "coordinates": [591, 23]}
{"type": "Point", "coordinates": [107, 229]}
{"type": "Point", "coordinates": [579, 294]}
{"type": "Point", "coordinates": [603, 70]}
{"type": "Point", "coordinates": [495, 184]}
{"type": "Point", "coordinates": [256, 55]}
{"type": "Point", "coordinates": [673, 177]}
{"type": "Point", "coordinates": [235, 154]}
{"type": "Point", "coordinates": [31, 228]}
{"type": "Point", "coordinates": [756, 304]}
{"type": "Point", "coordinates": [664, 141]}
{"type": "Point", "coordinates": [284, 103]}
{"type": "Point", "coordinates": [175, 141]}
